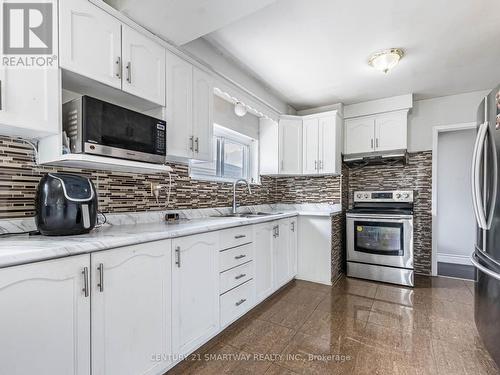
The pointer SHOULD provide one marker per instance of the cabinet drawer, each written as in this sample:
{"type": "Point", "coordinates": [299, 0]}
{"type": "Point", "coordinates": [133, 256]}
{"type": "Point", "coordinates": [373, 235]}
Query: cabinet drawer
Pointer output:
{"type": "Point", "coordinates": [236, 276]}
{"type": "Point", "coordinates": [234, 257]}
{"type": "Point", "coordinates": [235, 236]}
{"type": "Point", "coordinates": [236, 302]}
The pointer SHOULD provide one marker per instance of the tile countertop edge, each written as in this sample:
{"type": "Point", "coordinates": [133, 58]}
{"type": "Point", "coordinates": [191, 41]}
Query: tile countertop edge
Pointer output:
{"type": "Point", "coordinates": [23, 250]}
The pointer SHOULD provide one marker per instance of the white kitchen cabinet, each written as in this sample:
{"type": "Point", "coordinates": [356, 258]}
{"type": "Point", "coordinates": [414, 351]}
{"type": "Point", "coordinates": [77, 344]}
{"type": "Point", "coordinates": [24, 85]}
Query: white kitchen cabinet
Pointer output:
{"type": "Point", "coordinates": [29, 102]}
{"type": "Point", "coordinates": [90, 42]}
{"type": "Point", "coordinates": [189, 111]}
{"type": "Point", "coordinates": [203, 108]}
{"type": "Point", "coordinates": [322, 144]}
{"type": "Point", "coordinates": [195, 291]}
{"type": "Point", "coordinates": [143, 66]}
{"type": "Point", "coordinates": [131, 309]}
{"type": "Point", "coordinates": [281, 253]}
{"type": "Point", "coordinates": [263, 259]}
{"type": "Point", "coordinates": [290, 145]}
{"type": "Point", "coordinates": [268, 147]}
{"type": "Point", "coordinates": [310, 156]}
{"type": "Point", "coordinates": [292, 246]}
{"type": "Point", "coordinates": [45, 318]}
{"type": "Point", "coordinates": [359, 135]}
{"type": "Point", "coordinates": [391, 131]}
{"type": "Point", "coordinates": [378, 133]}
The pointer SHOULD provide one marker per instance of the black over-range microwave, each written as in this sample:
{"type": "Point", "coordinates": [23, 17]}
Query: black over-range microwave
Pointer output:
{"type": "Point", "coordinates": [100, 128]}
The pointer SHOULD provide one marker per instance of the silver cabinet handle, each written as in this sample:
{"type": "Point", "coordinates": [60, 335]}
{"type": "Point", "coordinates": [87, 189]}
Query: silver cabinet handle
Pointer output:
{"type": "Point", "coordinates": [376, 142]}
{"type": "Point", "coordinates": [129, 72]}
{"type": "Point", "coordinates": [320, 164]}
{"type": "Point", "coordinates": [197, 145]}
{"type": "Point", "coordinates": [240, 276]}
{"type": "Point", "coordinates": [191, 141]}
{"type": "Point", "coordinates": [315, 165]}
{"type": "Point", "coordinates": [100, 283]}
{"type": "Point", "coordinates": [178, 256]}
{"type": "Point", "coordinates": [119, 67]}
{"type": "Point", "coordinates": [85, 274]}
{"type": "Point", "coordinates": [275, 231]}
{"type": "Point", "coordinates": [371, 143]}
{"type": "Point", "coordinates": [482, 268]}
{"type": "Point", "coordinates": [293, 226]}
{"type": "Point", "coordinates": [240, 236]}
{"type": "Point", "coordinates": [240, 301]}
{"type": "Point", "coordinates": [240, 256]}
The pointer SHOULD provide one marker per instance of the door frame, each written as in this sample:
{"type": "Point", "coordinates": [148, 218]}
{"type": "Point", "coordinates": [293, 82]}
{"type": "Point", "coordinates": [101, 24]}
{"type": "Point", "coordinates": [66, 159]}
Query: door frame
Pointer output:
{"type": "Point", "coordinates": [435, 137]}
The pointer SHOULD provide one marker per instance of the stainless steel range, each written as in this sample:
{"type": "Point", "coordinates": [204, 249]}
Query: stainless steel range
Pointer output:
{"type": "Point", "coordinates": [380, 236]}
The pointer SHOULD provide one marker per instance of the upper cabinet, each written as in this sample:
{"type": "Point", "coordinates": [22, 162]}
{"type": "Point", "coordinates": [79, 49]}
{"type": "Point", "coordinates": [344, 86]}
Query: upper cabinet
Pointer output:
{"type": "Point", "coordinates": [90, 42]}
{"type": "Point", "coordinates": [290, 145]}
{"type": "Point", "coordinates": [379, 133]}
{"type": "Point", "coordinates": [189, 110]}
{"type": "Point", "coordinates": [322, 145]}
{"type": "Point", "coordinates": [144, 66]}
{"type": "Point", "coordinates": [96, 45]}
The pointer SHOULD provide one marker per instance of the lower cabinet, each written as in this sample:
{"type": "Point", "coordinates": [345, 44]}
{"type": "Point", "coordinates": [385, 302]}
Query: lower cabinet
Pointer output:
{"type": "Point", "coordinates": [131, 309]}
{"type": "Point", "coordinates": [45, 318]}
{"type": "Point", "coordinates": [195, 291]}
{"type": "Point", "coordinates": [281, 253]}
{"type": "Point", "coordinates": [292, 246]}
{"type": "Point", "coordinates": [263, 250]}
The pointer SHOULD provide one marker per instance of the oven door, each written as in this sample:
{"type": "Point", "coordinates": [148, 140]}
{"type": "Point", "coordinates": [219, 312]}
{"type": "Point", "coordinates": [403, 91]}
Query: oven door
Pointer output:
{"type": "Point", "coordinates": [380, 239]}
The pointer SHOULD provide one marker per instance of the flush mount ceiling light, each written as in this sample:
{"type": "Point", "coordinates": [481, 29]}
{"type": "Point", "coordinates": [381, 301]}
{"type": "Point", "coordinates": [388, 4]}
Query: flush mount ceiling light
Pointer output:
{"type": "Point", "coordinates": [240, 109]}
{"type": "Point", "coordinates": [386, 60]}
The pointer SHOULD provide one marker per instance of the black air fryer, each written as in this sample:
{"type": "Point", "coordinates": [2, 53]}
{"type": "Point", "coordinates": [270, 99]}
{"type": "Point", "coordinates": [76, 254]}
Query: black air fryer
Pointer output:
{"type": "Point", "coordinates": [66, 204]}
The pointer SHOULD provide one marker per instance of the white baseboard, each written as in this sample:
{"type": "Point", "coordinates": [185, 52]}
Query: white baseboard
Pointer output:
{"type": "Point", "coordinates": [453, 258]}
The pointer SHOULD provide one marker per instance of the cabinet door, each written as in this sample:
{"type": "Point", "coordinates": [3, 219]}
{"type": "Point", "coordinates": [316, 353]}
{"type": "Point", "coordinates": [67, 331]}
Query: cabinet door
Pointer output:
{"type": "Point", "coordinates": [203, 106]}
{"type": "Point", "coordinates": [390, 131]}
{"type": "Point", "coordinates": [281, 254]}
{"type": "Point", "coordinates": [290, 147]}
{"type": "Point", "coordinates": [359, 135]}
{"type": "Point", "coordinates": [45, 318]}
{"type": "Point", "coordinates": [131, 309]}
{"type": "Point", "coordinates": [329, 145]}
{"type": "Point", "coordinates": [29, 102]}
{"type": "Point", "coordinates": [310, 138]}
{"type": "Point", "coordinates": [179, 107]}
{"type": "Point", "coordinates": [90, 42]}
{"type": "Point", "coordinates": [195, 291]}
{"type": "Point", "coordinates": [143, 66]}
{"type": "Point", "coordinates": [292, 247]}
{"type": "Point", "coordinates": [263, 244]}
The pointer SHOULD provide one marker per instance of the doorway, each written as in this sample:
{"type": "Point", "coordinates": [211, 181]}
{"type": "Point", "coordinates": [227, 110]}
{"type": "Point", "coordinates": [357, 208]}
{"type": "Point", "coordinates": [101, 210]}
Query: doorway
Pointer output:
{"type": "Point", "coordinates": [453, 222]}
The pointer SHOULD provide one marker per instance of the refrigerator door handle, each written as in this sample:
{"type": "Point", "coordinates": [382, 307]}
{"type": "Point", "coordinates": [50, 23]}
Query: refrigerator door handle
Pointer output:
{"type": "Point", "coordinates": [493, 202]}
{"type": "Point", "coordinates": [475, 262]}
{"type": "Point", "coordinates": [477, 200]}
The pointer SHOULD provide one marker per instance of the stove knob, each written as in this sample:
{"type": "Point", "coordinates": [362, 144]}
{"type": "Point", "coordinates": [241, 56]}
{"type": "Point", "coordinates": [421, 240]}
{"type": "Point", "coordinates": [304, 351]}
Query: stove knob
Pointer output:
{"type": "Point", "coordinates": [366, 196]}
{"type": "Point", "coordinates": [406, 195]}
{"type": "Point", "coordinates": [358, 196]}
{"type": "Point", "coordinates": [398, 196]}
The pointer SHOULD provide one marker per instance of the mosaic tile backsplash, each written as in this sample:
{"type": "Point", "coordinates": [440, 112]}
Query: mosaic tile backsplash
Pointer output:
{"type": "Point", "coordinates": [128, 192]}
{"type": "Point", "coordinates": [416, 176]}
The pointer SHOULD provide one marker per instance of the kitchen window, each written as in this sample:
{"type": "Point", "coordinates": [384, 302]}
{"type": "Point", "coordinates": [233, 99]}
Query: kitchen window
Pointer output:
{"type": "Point", "coordinates": [235, 156]}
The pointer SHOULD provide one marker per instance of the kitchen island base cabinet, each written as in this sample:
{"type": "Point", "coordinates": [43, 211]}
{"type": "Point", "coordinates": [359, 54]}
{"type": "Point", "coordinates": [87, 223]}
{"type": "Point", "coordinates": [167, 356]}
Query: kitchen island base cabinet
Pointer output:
{"type": "Point", "coordinates": [131, 309]}
{"type": "Point", "coordinates": [195, 291]}
{"type": "Point", "coordinates": [45, 318]}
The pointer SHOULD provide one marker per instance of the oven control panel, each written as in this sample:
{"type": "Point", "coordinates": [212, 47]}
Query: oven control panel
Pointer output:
{"type": "Point", "coordinates": [384, 196]}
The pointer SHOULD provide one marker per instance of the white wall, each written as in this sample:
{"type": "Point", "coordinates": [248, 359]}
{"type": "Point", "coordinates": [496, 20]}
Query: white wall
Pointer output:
{"type": "Point", "coordinates": [444, 110]}
{"type": "Point", "coordinates": [224, 116]}
{"type": "Point", "coordinates": [204, 51]}
{"type": "Point", "coordinates": [456, 227]}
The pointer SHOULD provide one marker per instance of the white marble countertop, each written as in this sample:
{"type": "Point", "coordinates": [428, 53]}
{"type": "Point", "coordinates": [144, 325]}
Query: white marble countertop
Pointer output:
{"type": "Point", "coordinates": [131, 229]}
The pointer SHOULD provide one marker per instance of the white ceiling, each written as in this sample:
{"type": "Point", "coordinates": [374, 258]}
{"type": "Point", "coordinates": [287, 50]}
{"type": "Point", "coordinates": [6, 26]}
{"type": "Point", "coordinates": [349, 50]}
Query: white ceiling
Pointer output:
{"type": "Point", "coordinates": [314, 52]}
{"type": "Point", "coordinates": [181, 21]}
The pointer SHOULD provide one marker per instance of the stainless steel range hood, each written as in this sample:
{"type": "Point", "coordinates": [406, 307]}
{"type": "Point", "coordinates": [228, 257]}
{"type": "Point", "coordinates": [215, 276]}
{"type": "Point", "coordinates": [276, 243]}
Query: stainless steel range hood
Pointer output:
{"type": "Point", "coordinates": [377, 158]}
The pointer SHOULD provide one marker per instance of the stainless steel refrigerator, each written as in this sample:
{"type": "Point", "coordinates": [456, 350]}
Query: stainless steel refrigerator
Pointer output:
{"type": "Point", "coordinates": [486, 202]}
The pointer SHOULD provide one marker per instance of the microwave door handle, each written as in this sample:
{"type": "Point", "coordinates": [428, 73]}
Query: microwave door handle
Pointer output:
{"type": "Point", "coordinates": [476, 176]}
{"type": "Point", "coordinates": [493, 149]}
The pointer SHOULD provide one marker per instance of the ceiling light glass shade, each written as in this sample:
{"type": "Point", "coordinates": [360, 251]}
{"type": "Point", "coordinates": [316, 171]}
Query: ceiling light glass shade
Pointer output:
{"type": "Point", "coordinates": [240, 110]}
{"type": "Point", "coordinates": [386, 60]}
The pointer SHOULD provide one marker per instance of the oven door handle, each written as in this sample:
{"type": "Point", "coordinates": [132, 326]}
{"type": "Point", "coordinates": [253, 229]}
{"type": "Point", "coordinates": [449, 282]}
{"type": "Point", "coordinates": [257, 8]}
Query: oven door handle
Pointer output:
{"type": "Point", "coordinates": [398, 219]}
